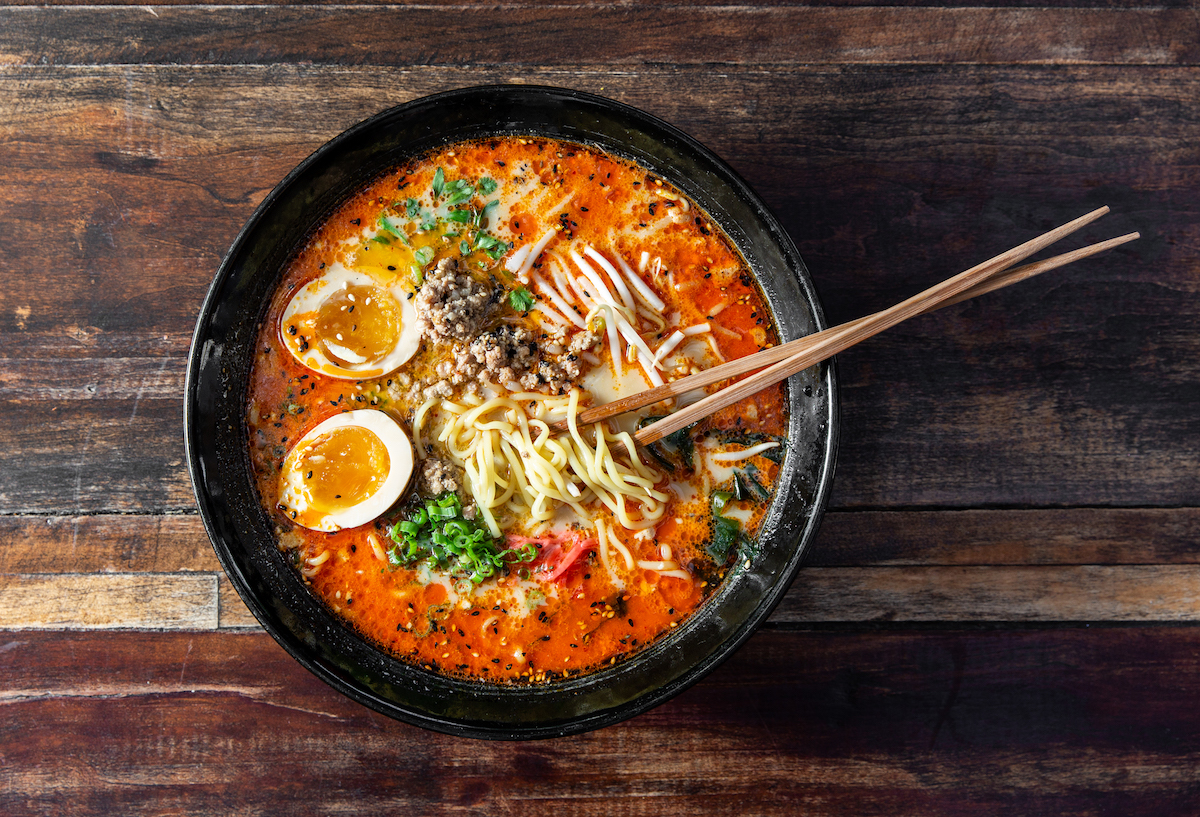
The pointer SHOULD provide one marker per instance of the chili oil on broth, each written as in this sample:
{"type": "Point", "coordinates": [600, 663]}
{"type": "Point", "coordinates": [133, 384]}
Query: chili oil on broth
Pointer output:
{"type": "Point", "coordinates": [555, 223]}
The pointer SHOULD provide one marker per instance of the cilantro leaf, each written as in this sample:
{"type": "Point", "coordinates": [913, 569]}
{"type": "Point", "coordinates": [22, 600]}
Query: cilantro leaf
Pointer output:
{"type": "Point", "coordinates": [521, 299]}
{"type": "Point", "coordinates": [487, 185]}
{"type": "Point", "coordinates": [493, 246]}
{"type": "Point", "coordinates": [459, 191]}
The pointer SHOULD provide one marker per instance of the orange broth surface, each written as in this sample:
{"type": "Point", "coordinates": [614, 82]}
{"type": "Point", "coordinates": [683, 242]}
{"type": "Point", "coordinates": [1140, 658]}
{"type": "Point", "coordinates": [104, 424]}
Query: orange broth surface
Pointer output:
{"type": "Point", "coordinates": [520, 627]}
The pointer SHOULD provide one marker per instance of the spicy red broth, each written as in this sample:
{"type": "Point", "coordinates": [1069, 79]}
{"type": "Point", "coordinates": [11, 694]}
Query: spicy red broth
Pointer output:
{"type": "Point", "coordinates": [517, 280]}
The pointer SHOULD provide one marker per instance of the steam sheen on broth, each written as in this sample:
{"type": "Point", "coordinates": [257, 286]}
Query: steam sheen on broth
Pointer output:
{"type": "Point", "coordinates": [413, 359]}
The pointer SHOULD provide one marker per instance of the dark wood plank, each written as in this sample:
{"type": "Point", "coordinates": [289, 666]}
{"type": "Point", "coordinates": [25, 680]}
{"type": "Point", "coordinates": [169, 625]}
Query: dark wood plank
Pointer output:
{"type": "Point", "coordinates": [1071, 536]}
{"type": "Point", "coordinates": [1032, 593]}
{"type": "Point", "coordinates": [1074, 721]}
{"type": "Point", "coordinates": [460, 4]}
{"type": "Point", "coordinates": [105, 544]}
{"type": "Point", "coordinates": [1075, 390]}
{"type": "Point", "coordinates": [525, 34]}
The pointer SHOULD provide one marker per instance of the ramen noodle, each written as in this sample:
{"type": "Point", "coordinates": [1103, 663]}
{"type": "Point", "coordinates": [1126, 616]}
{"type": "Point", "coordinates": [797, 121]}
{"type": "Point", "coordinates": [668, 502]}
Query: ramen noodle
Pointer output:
{"type": "Point", "coordinates": [414, 405]}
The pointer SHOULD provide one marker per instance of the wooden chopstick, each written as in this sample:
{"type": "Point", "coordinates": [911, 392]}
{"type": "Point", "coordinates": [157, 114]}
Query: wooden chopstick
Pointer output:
{"type": "Point", "coordinates": [828, 343]}
{"type": "Point", "coordinates": [766, 357]}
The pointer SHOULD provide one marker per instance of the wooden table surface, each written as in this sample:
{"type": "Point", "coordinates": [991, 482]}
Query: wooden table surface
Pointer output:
{"type": "Point", "coordinates": [999, 614]}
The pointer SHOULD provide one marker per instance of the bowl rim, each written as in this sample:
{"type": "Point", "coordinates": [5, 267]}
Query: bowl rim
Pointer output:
{"type": "Point", "coordinates": [250, 569]}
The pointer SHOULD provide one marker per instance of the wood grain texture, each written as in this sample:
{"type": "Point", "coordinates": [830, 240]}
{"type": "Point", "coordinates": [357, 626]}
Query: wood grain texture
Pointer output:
{"type": "Point", "coordinates": [1007, 465]}
{"type": "Point", "coordinates": [105, 544]}
{"type": "Point", "coordinates": [526, 33]}
{"type": "Point", "coordinates": [978, 723]}
{"type": "Point", "coordinates": [957, 567]}
{"type": "Point", "coordinates": [1026, 593]}
{"type": "Point", "coordinates": [1097, 5]}
{"type": "Point", "coordinates": [109, 601]}
{"type": "Point", "coordinates": [1052, 393]}
{"type": "Point", "coordinates": [130, 543]}
{"type": "Point", "coordinates": [1067, 536]}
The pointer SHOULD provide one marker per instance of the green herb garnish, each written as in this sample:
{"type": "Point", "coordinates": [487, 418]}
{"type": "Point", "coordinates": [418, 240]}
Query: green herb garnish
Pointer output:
{"type": "Point", "coordinates": [394, 229]}
{"type": "Point", "coordinates": [458, 191]}
{"type": "Point", "coordinates": [438, 531]}
{"type": "Point", "coordinates": [494, 247]}
{"type": "Point", "coordinates": [521, 299]}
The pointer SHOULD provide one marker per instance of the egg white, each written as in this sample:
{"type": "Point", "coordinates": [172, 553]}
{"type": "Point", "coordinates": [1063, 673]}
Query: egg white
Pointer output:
{"type": "Point", "coordinates": [295, 496]}
{"type": "Point", "coordinates": [308, 300]}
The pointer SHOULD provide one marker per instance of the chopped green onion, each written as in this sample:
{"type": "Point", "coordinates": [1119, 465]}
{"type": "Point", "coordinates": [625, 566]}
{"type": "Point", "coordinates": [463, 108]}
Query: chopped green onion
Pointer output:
{"type": "Point", "coordinates": [437, 531]}
{"type": "Point", "coordinates": [394, 229]}
{"type": "Point", "coordinates": [439, 182]}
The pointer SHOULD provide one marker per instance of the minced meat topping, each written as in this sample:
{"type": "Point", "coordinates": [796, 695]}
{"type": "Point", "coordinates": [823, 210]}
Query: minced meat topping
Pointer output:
{"type": "Point", "coordinates": [451, 305]}
{"type": "Point", "coordinates": [437, 477]}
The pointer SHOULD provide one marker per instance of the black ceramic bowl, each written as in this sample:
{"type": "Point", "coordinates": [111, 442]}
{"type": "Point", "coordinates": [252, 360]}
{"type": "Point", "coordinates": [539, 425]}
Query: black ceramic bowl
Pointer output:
{"type": "Point", "coordinates": [241, 531]}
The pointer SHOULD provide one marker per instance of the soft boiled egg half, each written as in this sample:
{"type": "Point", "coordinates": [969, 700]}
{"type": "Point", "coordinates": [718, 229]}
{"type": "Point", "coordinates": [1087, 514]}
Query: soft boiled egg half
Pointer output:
{"type": "Point", "coordinates": [346, 324]}
{"type": "Point", "coordinates": [346, 471]}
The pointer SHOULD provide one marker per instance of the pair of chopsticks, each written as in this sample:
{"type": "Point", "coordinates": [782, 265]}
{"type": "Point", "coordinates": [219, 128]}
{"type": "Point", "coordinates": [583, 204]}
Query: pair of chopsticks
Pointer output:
{"type": "Point", "coordinates": [788, 359]}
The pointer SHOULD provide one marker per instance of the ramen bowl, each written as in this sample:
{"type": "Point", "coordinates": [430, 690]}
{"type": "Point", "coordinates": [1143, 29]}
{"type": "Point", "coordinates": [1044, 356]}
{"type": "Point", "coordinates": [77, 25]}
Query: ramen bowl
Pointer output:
{"type": "Point", "coordinates": [242, 531]}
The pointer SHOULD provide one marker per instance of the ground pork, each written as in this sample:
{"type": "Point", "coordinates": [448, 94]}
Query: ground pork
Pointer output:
{"type": "Point", "coordinates": [506, 356]}
{"type": "Point", "coordinates": [451, 305]}
{"type": "Point", "coordinates": [583, 341]}
{"type": "Point", "coordinates": [437, 477]}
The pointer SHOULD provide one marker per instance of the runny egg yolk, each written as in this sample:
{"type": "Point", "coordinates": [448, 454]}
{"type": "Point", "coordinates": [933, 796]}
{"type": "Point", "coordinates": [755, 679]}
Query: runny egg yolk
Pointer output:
{"type": "Point", "coordinates": [342, 468]}
{"type": "Point", "coordinates": [358, 325]}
